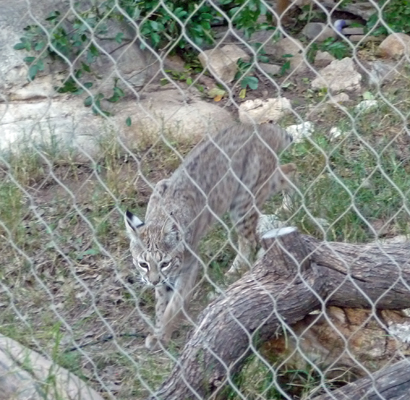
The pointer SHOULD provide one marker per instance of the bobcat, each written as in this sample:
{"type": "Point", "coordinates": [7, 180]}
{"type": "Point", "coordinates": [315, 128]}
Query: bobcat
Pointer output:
{"type": "Point", "coordinates": [235, 171]}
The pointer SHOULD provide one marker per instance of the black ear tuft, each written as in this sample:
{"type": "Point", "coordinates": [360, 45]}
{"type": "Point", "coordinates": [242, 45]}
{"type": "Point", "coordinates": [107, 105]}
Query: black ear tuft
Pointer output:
{"type": "Point", "coordinates": [132, 221]}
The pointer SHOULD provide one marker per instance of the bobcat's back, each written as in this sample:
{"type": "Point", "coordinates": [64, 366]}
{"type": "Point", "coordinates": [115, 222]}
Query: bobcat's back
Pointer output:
{"type": "Point", "coordinates": [239, 160]}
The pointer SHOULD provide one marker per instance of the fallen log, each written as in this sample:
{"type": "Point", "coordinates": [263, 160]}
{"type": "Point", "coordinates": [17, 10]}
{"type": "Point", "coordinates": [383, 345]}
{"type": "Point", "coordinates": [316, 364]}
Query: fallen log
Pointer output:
{"type": "Point", "coordinates": [297, 275]}
{"type": "Point", "coordinates": [390, 383]}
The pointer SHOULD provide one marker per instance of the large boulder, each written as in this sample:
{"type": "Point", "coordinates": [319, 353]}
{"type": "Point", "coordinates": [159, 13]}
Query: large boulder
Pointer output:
{"type": "Point", "coordinates": [34, 114]}
{"type": "Point", "coordinates": [27, 375]}
{"type": "Point", "coordinates": [66, 125]}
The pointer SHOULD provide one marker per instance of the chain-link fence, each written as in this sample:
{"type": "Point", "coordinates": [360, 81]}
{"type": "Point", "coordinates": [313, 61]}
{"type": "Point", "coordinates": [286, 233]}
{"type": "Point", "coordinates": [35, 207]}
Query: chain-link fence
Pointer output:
{"type": "Point", "coordinates": [101, 100]}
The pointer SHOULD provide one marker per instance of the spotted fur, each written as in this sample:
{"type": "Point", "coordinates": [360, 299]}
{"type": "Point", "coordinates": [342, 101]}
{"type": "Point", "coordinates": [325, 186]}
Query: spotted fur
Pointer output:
{"type": "Point", "coordinates": [235, 171]}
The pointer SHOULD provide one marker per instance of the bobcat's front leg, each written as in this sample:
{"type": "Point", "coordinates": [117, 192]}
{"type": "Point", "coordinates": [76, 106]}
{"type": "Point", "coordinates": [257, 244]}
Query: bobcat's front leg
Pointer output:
{"type": "Point", "coordinates": [168, 317]}
{"type": "Point", "coordinates": [163, 294]}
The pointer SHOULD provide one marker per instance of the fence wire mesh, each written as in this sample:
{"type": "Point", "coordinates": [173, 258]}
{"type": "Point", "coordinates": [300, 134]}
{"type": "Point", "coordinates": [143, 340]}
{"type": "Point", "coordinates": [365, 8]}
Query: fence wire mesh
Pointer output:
{"type": "Point", "coordinates": [101, 100]}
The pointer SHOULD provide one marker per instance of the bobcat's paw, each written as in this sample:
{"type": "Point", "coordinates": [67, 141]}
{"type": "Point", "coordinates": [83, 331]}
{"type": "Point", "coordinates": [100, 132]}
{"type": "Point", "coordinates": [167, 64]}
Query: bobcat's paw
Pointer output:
{"type": "Point", "coordinates": [152, 343]}
{"type": "Point", "coordinates": [238, 268]}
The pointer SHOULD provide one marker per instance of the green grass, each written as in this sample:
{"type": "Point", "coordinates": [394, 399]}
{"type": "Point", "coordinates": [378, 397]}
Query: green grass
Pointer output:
{"type": "Point", "coordinates": [351, 181]}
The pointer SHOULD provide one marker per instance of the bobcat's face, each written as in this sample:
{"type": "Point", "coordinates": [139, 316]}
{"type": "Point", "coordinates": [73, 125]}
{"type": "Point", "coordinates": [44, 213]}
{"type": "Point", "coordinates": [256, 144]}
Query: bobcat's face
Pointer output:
{"type": "Point", "coordinates": [157, 251]}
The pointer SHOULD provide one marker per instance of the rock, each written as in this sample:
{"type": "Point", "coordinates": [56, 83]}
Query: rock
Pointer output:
{"type": "Point", "coordinates": [395, 46]}
{"type": "Point", "coordinates": [395, 239]}
{"type": "Point", "coordinates": [270, 68]}
{"type": "Point", "coordinates": [73, 128]}
{"type": "Point", "coordinates": [186, 120]}
{"type": "Point", "coordinates": [318, 31]}
{"type": "Point", "coordinates": [175, 63]}
{"type": "Point", "coordinates": [366, 105]}
{"type": "Point", "coordinates": [339, 75]}
{"type": "Point", "coordinates": [353, 31]}
{"type": "Point", "coordinates": [364, 10]}
{"type": "Point", "coordinates": [290, 47]}
{"type": "Point", "coordinates": [323, 59]}
{"type": "Point", "coordinates": [298, 63]}
{"type": "Point", "coordinates": [63, 121]}
{"type": "Point", "coordinates": [129, 62]}
{"type": "Point", "coordinates": [335, 132]}
{"type": "Point", "coordinates": [338, 98]}
{"type": "Point", "coordinates": [24, 373]}
{"type": "Point", "coordinates": [365, 38]}
{"type": "Point", "coordinates": [301, 131]}
{"type": "Point", "coordinates": [286, 46]}
{"type": "Point", "coordinates": [260, 111]}
{"type": "Point", "coordinates": [222, 62]}
{"type": "Point", "coordinates": [382, 72]}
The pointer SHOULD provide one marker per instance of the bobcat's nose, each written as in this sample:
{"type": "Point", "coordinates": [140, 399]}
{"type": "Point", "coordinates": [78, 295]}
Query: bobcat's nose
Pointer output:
{"type": "Point", "coordinates": [156, 281]}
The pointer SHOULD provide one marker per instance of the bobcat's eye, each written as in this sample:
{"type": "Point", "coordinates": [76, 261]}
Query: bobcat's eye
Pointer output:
{"type": "Point", "coordinates": [143, 265]}
{"type": "Point", "coordinates": [165, 265]}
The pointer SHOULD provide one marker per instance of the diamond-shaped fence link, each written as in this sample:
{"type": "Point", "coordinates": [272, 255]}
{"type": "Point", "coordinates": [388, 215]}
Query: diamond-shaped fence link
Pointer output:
{"type": "Point", "coordinates": [145, 123]}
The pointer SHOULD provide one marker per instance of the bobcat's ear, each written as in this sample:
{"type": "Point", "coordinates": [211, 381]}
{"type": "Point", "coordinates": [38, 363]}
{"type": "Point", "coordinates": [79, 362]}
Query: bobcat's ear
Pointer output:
{"type": "Point", "coordinates": [169, 227]}
{"type": "Point", "coordinates": [132, 223]}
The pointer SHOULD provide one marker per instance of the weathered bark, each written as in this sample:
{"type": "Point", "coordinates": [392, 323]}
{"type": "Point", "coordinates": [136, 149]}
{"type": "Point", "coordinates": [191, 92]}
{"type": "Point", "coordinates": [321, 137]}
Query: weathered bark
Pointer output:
{"type": "Point", "coordinates": [389, 383]}
{"type": "Point", "coordinates": [296, 275]}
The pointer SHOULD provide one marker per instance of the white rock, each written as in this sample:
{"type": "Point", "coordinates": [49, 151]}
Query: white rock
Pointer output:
{"type": "Point", "coordinates": [382, 72]}
{"type": "Point", "coordinates": [286, 46]}
{"type": "Point", "coordinates": [260, 111]}
{"type": "Point", "coordinates": [395, 45]}
{"type": "Point", "coordinates": [323, 59]}
{"type": "Point", "coordinates": [335, 132]}
{"type": "Point", "coordinates": [66, 122]}
{"type": "Point", "coordinates": [366, 105]}
{"type": "Point", "coordinates": [299, 63]}
{"type": "Point", "coordinates": [338, 98]}
{"type": "Point", "coordinates": [222, 61]}
{"type": "Point", "coordinates": [301, 131]}
{"type": "Point", "coordinates": [270, 68]}
{"type": "Point", "coordinates": [339, 75]}
{"type": "Point", "coordinates": [25, 373]}
{"type": "Point", "coordinates": [318, 31]}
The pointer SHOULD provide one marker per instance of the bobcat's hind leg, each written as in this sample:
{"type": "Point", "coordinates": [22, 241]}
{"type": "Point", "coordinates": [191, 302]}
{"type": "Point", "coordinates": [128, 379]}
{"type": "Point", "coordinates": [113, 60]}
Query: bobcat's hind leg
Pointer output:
{"type": "Point", "coordinates": [245, 221]}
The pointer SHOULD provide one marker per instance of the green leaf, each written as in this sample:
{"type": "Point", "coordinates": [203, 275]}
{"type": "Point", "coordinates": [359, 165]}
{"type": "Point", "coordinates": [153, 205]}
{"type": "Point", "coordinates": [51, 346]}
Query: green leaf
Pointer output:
{"type": "Point", "coordinates": [85, 67]}
{"type": "Point", "coordinates": [250, 81]}
{"type": "Point", "coordinates": [155, 38]}
{"type": "Point", "coordinates": [206, 16]}
{"type": "Point", "coordinates": [19, 46]}
{"type": "Point", "coordinates": [53, 15]}
{"type": "Point", "coordinates": [154, 25]}
{"type": "Point", "coordinates": [39, 46]}
{"type": "Point", "coordinates": [128, 121]}
{"type": "Point", "coordinates": [32, 72]}
{"type": "Point", "coordinates": [29, 60]}
{"type": "Point", "coordinates": [40, 65]}
{"type": "Point", "coordinates": [368, 96]}
{"type": "Point", "coordinates": [88, 101]}
{"type": "Point", "coordinates": [94, 51]}
{"type": "Point", "coordinates": [118, 37]}
{"type": "Point", "coordinates": [206, 25]}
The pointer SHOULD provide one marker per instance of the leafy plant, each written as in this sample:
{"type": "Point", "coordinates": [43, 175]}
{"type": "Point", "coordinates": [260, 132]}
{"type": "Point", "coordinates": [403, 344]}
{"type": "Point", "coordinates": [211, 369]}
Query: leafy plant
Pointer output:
{"type": "Point", "coordinates": [74, 37]}
{"type": "Point", "coordinates": [396, 15]}
{"type": "Point", "coordinates": [336, 48]}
